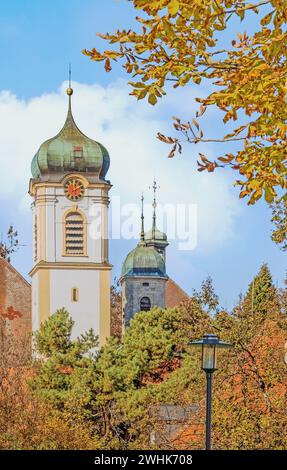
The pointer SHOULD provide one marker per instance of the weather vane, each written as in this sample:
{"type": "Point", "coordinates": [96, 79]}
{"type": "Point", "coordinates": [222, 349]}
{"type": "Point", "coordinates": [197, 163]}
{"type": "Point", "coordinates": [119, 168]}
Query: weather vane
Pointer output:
{"type": "Point", "coordinates": [155, 187]}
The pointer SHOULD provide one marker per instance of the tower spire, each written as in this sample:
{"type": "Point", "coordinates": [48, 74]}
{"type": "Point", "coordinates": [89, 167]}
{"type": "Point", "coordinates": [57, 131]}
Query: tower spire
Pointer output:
{"type": "Point", "coordinates": [70, 75]}
{"type": "Point", "coordinates": [70, 90]}
{"type": "Point", "coordinates": [70, 123]}
{"type": "Point", "coordinates": [154, 205]}
{"type": "Point", "coordinates": [142, 219]}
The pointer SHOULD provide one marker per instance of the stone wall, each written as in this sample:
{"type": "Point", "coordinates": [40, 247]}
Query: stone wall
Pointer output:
{"type": "Point", "coordinates": [15, 315]}
{"type": "Point", "coordinates": [134, 288]}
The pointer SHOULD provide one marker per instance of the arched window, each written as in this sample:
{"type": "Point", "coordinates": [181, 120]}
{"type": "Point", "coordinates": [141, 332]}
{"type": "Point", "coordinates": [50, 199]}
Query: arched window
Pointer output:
{"type": "Point", "coordinates": [145, 304]}
{"type": "Point", "coordinates": [74, 234]}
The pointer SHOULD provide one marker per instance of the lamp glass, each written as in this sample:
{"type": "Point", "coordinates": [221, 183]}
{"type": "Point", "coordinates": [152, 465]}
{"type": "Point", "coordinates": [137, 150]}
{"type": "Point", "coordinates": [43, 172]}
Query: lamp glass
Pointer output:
{"type": "Point", "coordinates": [209, 357]}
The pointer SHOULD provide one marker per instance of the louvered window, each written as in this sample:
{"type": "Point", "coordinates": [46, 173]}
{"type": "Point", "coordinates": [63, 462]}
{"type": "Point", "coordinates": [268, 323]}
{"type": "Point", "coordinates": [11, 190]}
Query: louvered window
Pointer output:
{"type": "Point", "coordinates": [74, 234]}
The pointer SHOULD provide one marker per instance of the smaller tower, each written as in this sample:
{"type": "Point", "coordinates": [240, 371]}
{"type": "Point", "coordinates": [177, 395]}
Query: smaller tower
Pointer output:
{"type": "Point", "coordinates": [155, 238]}
{"type": "Point", "coordinates": [143, 278]}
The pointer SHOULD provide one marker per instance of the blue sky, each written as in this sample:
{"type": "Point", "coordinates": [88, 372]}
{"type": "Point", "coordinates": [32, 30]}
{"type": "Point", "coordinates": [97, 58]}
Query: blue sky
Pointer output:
{"type": "Point", "coordinates": [37, 42]}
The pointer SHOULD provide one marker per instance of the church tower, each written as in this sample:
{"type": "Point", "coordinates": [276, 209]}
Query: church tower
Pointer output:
{"type": "Point", "coordinates": [70, 217]}
{"type": "Point", "coordinates": [144, 275]}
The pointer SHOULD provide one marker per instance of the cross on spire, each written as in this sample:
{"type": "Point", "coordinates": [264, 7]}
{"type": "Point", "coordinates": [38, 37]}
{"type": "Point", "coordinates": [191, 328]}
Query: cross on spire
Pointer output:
{"type": "Point", "coordinates": [155, 187]}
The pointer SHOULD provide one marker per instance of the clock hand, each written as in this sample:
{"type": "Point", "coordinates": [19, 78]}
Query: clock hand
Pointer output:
{"type": "Point", "coordinates": [76, 191]}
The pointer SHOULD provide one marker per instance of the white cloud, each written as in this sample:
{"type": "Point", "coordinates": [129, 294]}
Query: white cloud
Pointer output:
{"type": "Point", "coordinates": [128, 129]}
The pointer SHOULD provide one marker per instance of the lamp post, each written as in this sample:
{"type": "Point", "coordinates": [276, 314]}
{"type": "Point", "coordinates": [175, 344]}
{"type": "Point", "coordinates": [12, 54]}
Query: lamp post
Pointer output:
{"type": "Point", "coordinates": [209, 344]}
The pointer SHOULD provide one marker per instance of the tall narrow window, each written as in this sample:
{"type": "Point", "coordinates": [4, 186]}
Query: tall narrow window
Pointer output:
{"type": "Point", "coordinates": [75, 294]}
{"type": "Point", "coordinates": [74, 234]}
{"type": "Point", "coordinates": [145, 304]}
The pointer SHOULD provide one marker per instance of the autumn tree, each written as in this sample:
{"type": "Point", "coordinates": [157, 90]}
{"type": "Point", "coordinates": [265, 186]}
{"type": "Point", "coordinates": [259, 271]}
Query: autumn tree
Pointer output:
{"type": "Point", "coordinates": [250, 387]}
{"type": "Point", "coordinates": [30, 423]}
{"type": "Point", "coordinates": [27, 422]}
{"type": "Point", "coordinates": [113, 395]}
{"type": "Point", "coordinates": [207, 296]}
{"type": "Point", "coordinates": [179, 42]}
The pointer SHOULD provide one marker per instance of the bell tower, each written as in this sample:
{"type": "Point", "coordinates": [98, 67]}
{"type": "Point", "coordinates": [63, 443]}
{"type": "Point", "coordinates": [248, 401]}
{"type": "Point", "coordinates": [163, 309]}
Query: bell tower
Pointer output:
{"type": "Point", "coordinates": [143, 277]}
{"type": "Point", "coordinates": [70, 218]}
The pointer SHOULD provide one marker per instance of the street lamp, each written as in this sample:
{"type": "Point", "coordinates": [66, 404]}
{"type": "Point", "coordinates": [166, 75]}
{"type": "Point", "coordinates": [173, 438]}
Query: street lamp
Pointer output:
{"type": "Point", "coordinates": [209, 344]}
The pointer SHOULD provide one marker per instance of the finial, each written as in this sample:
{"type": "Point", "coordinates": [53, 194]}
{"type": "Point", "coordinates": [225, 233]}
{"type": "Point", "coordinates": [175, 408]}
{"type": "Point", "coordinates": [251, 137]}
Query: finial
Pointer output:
{"type": "Point", "coordinates": [70, 90]}
{"type": "Point", "coordinates": [142, 219]}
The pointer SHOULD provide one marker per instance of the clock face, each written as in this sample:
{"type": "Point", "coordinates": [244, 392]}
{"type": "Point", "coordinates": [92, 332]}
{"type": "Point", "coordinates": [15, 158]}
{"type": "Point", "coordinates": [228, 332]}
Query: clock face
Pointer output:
{"type": "Point", "coordinates": [74, 189]}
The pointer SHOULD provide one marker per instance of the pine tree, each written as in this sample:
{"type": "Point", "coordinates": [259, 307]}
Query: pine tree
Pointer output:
{"type": "Point", "coordinates": [65, 364]}
{"type": "Point", "coordinates": [261, 293]}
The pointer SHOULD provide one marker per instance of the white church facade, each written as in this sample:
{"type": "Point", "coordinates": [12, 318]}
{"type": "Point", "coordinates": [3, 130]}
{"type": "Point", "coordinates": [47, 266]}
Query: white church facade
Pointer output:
{"type": "Point", "coordinates": [70, 217]}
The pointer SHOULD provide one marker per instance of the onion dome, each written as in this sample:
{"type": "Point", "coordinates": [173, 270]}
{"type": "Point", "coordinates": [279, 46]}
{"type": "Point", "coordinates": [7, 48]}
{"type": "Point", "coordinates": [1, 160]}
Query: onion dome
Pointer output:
{"type": "Point", "coordinates": [156, 235]}
{"type": "Point", "coordinates": [70, 151]}
{"type": "Point", "coordinates": [156, 239]}
{"type": "Point", "coordinates": [144, 261]}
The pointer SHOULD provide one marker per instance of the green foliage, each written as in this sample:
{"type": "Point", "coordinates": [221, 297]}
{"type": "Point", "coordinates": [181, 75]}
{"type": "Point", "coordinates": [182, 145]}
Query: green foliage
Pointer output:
{"type": "Point", "coordinates": [54, 336]}
{"type": "Point", "coordinates": [113, 396]}
{"type": "Point", "coordinates": [261, 293]}
{"type": "Point", "coordinates": [178, 41]}
{"type": "Point", "coordinates": [157, 336]}
{"type": "Point", "coordinates": [118, 391]}
{"type": "Point", "coordinates": [66, 363]}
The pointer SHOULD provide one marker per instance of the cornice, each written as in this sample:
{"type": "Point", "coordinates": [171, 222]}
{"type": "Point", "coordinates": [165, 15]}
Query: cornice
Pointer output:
{"type": "Point", "coordinates": [71, 265]}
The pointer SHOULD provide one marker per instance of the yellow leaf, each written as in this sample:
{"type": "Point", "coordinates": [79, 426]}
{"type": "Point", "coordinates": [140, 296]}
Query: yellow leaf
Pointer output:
{"type": "Point", "coordinates": [173, 7]}
{"type": "Point", "coordinates": [152, 99]}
